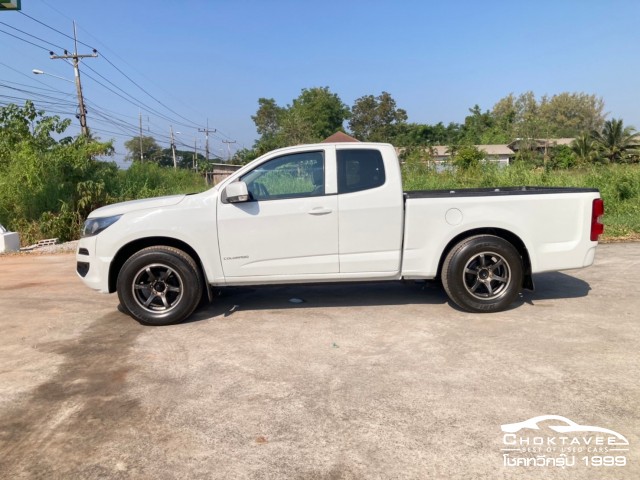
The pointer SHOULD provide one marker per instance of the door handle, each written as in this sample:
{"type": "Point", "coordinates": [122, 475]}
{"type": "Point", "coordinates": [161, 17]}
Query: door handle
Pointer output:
{"type": "Point", "coordinates": [320, 211]}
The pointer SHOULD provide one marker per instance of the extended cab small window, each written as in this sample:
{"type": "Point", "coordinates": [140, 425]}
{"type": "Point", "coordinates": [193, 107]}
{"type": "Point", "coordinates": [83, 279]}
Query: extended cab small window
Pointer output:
{"type": "Point", "coordinates": [289, 176]}
{"type": "Point", "coordinates": [359, 169]}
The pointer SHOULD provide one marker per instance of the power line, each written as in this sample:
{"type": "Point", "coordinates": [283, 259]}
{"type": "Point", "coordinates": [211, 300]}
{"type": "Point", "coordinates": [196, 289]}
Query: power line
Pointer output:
{"type": "Point", "coordinates": [32, 36]}
{"type": "Point", "coordinates": [53, 90]}
{"type": "Point", "coordinates": [108, 61]}
{"type": "Point", "coordinates": [135, 101]}
{"type": "Point", "coordinates": [30, 77]}
{"type": "Point", "coordinates": [113, 112]}
{"type": "Point", "coordinates": [131, 129]}
{"type": "Point", "coordinates": [37, 94]}
{"type": "Point", "coordinates": [131, 98]}
{"type": "Point", "coordinates": [106, 47]}
{"type": "Point", "coordinates": [154, 98]}
{"type": "Point", "coordinates": [73, 56]}
{"type": "Point", "coordinates": [55, 30]}
{"type": "Point", "coordinates": [26, 41]}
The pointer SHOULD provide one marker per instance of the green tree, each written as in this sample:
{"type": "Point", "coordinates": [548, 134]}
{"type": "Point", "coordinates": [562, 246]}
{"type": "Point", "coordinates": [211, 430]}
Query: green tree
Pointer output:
{"type": "Point", "coordinates": [482, 128]}
{"type": "Point", "coordinates": [313, 116]}
{"type": "Point", "coordinates": [185, 159]}
{"type": "Point", "coordinates": [319, 112]}
{"type": "Point", "coordinates": [415, 134]}
{"type": "Point", "coordinates": [268, 117]}
{"type": "Point", "coordinates": [268, 121]}
{"type": "Point", "coordinates": [562, 115]}
{"type": "Point", "coordinates": [244, 156]}
{"type": "Point", "coordinates": [476, 125]}
{"type": "Point", "coordinates": [296, 128]}
{"type": "Point", "coordinates": [617, 143]}
{"type": "Point", "coordinates": [467, 156]}
{"type": "Point", "coordinates": [570, 114]}
{"type": "Point", "coordinates": [505, 114]}
{"type": "Point", "coordinates": [376, 119]}
{"type": "Point", "coordinates": [527, 120]}
{"type": "Point", "coordinates": [151, 151]}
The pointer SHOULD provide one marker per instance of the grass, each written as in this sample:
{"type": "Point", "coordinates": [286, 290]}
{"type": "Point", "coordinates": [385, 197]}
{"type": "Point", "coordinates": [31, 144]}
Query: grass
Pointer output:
{"type": "Point", "coordinates": [619, 186]}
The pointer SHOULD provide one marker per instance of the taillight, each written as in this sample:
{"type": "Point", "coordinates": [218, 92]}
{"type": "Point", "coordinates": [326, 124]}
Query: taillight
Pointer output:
{"type": "Point", "coordinates": [597, 228]}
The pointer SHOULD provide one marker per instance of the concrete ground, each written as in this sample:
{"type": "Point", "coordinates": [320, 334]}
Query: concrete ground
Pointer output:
{"type": "Point", "coordinates": [359, 381]}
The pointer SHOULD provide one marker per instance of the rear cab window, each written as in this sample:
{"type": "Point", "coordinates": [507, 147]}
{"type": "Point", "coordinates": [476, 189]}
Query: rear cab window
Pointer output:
{"type": "Point", "coordinates": [359, 169]}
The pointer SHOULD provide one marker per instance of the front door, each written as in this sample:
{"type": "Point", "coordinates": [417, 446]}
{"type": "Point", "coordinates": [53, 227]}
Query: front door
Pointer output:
{"type": "Point", "coordinates": [288, 228]}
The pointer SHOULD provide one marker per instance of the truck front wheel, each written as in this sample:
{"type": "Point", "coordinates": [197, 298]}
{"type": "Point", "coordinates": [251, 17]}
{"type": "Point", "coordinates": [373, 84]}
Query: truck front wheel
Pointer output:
{"type": "Point", "coordinates": [482, 273]}
{"type": "Point", "coordinates": [159, 285]}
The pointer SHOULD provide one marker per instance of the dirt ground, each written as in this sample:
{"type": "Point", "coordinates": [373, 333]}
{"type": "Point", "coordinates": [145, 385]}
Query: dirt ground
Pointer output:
{"type": "Point", "coordinates": [358, 381]}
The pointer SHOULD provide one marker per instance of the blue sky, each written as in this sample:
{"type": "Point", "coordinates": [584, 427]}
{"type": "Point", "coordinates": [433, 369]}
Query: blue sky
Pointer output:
{"type": "Point", "coordinates": [214, 59]}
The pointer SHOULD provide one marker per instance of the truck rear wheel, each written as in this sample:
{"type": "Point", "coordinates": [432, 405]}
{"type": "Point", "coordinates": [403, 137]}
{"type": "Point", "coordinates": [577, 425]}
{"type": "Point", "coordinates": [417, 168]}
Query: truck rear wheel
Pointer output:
{"type": "Point", "coordinates": [482, 274]}
{"type": "Point", "coordinates": [159, 285]}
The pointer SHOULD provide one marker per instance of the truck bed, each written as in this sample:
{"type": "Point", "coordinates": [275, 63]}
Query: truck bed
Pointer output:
{"type": "Point", "coordinates": [486, 192]}
{"type": "Point", "coordinates": [553, 223]}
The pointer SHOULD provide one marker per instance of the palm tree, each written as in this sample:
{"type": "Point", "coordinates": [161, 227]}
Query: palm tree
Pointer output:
{"type": "Point", "coordinates": [585, 149]}
{"type": "Point", "coordinates": [616, 142]}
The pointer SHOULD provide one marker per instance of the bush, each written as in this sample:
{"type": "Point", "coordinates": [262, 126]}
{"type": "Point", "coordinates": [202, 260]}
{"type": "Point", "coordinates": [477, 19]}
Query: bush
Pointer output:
{"type": "Point", "coordinates": [49, 186]}
{"type": "Point", "coordinates": [143, 180]}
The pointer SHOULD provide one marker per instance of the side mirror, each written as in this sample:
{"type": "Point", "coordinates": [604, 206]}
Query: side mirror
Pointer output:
{"type": "Point", "coordinates": [237, 192]}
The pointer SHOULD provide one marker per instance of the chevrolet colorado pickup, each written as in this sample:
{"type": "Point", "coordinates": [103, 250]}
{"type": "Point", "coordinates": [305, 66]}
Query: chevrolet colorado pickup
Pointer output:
{"type": "Point", "coordinates": [333, 213]}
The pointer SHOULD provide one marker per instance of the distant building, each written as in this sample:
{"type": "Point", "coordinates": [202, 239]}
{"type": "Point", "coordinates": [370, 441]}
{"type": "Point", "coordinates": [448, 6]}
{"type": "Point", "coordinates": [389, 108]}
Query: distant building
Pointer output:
{"type": "Point", "coordinates": [538, 144]}
{"type": "Point", "coordinates": [500, 154]}
{"type": "Point", "coordinates": [440, 155]}
{"type": "Point", "coordinates": [219, 172]}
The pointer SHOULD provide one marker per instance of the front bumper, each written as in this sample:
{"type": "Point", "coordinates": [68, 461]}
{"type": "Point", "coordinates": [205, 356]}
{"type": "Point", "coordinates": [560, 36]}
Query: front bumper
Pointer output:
{"type": "Point", "coordinates": [92, 269]}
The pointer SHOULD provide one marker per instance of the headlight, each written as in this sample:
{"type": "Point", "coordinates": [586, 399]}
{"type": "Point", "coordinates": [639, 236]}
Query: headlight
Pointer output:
{"type": "Point", "coordinates": [94, 226]}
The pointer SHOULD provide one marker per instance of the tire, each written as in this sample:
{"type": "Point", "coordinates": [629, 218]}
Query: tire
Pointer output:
{"type": "Point", "coordinates": [483, 274]}
{"type": "Point", "coordinates": [159, 285]}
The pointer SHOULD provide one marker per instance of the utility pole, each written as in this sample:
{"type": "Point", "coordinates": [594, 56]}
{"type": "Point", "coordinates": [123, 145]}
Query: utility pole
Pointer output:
{"type": "Point", "coordinates": [140, 137]}
{"type": "Point", "coordinates": [75, 60]}
{"type": "Point", "coordinates": [206, 136]}
{"type": "Point", "coordinates": [195, 154]}
{"type": "Point", "coordinates": [173, 149]}
{"type": "Point", "coordinates": [228, 148]}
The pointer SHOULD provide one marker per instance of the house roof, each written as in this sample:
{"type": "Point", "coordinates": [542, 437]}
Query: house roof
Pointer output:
{"type": "Point", "coordinates": [443, 150]}
{"type": "Point", "coordinates": [496, 149]}
{"type": "Point", "coordinates": [541, 142]}
{"type": "Point", "coordinates": [340, 137]}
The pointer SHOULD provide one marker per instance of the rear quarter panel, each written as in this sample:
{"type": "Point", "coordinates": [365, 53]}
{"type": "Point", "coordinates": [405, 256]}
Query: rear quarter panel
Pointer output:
{"type": "Point", "coordinates": [554, 227]}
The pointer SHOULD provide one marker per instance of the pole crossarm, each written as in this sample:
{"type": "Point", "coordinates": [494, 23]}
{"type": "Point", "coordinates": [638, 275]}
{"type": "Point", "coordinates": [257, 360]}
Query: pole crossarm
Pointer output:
{"type": "Point", "coordinates": [207, 131]}
{"type": "Point", "coordinates": [75, 58]}
{"type": "Point", "coordinates": [72, 55]}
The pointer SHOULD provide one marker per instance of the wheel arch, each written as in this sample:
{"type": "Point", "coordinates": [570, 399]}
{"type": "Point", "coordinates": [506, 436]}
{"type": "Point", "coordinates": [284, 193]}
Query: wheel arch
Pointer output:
{"type": "Point", "coordinates": [512, 238]}
{"type": "Point", "coordinates": [131, 248]}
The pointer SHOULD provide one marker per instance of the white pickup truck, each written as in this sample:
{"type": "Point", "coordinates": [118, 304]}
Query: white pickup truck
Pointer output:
{"type": "Point", "coordinates": [333, 213]}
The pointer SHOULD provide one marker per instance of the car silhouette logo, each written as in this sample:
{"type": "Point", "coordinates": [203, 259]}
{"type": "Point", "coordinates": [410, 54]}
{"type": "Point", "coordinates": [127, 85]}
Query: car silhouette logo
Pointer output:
{"type": "Point", "coordinates": [569, 427]}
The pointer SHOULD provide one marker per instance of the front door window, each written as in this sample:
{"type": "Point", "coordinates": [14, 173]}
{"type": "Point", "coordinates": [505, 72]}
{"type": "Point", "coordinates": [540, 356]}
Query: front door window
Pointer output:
{"type": "Point", "coordinates": [289, 176]}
